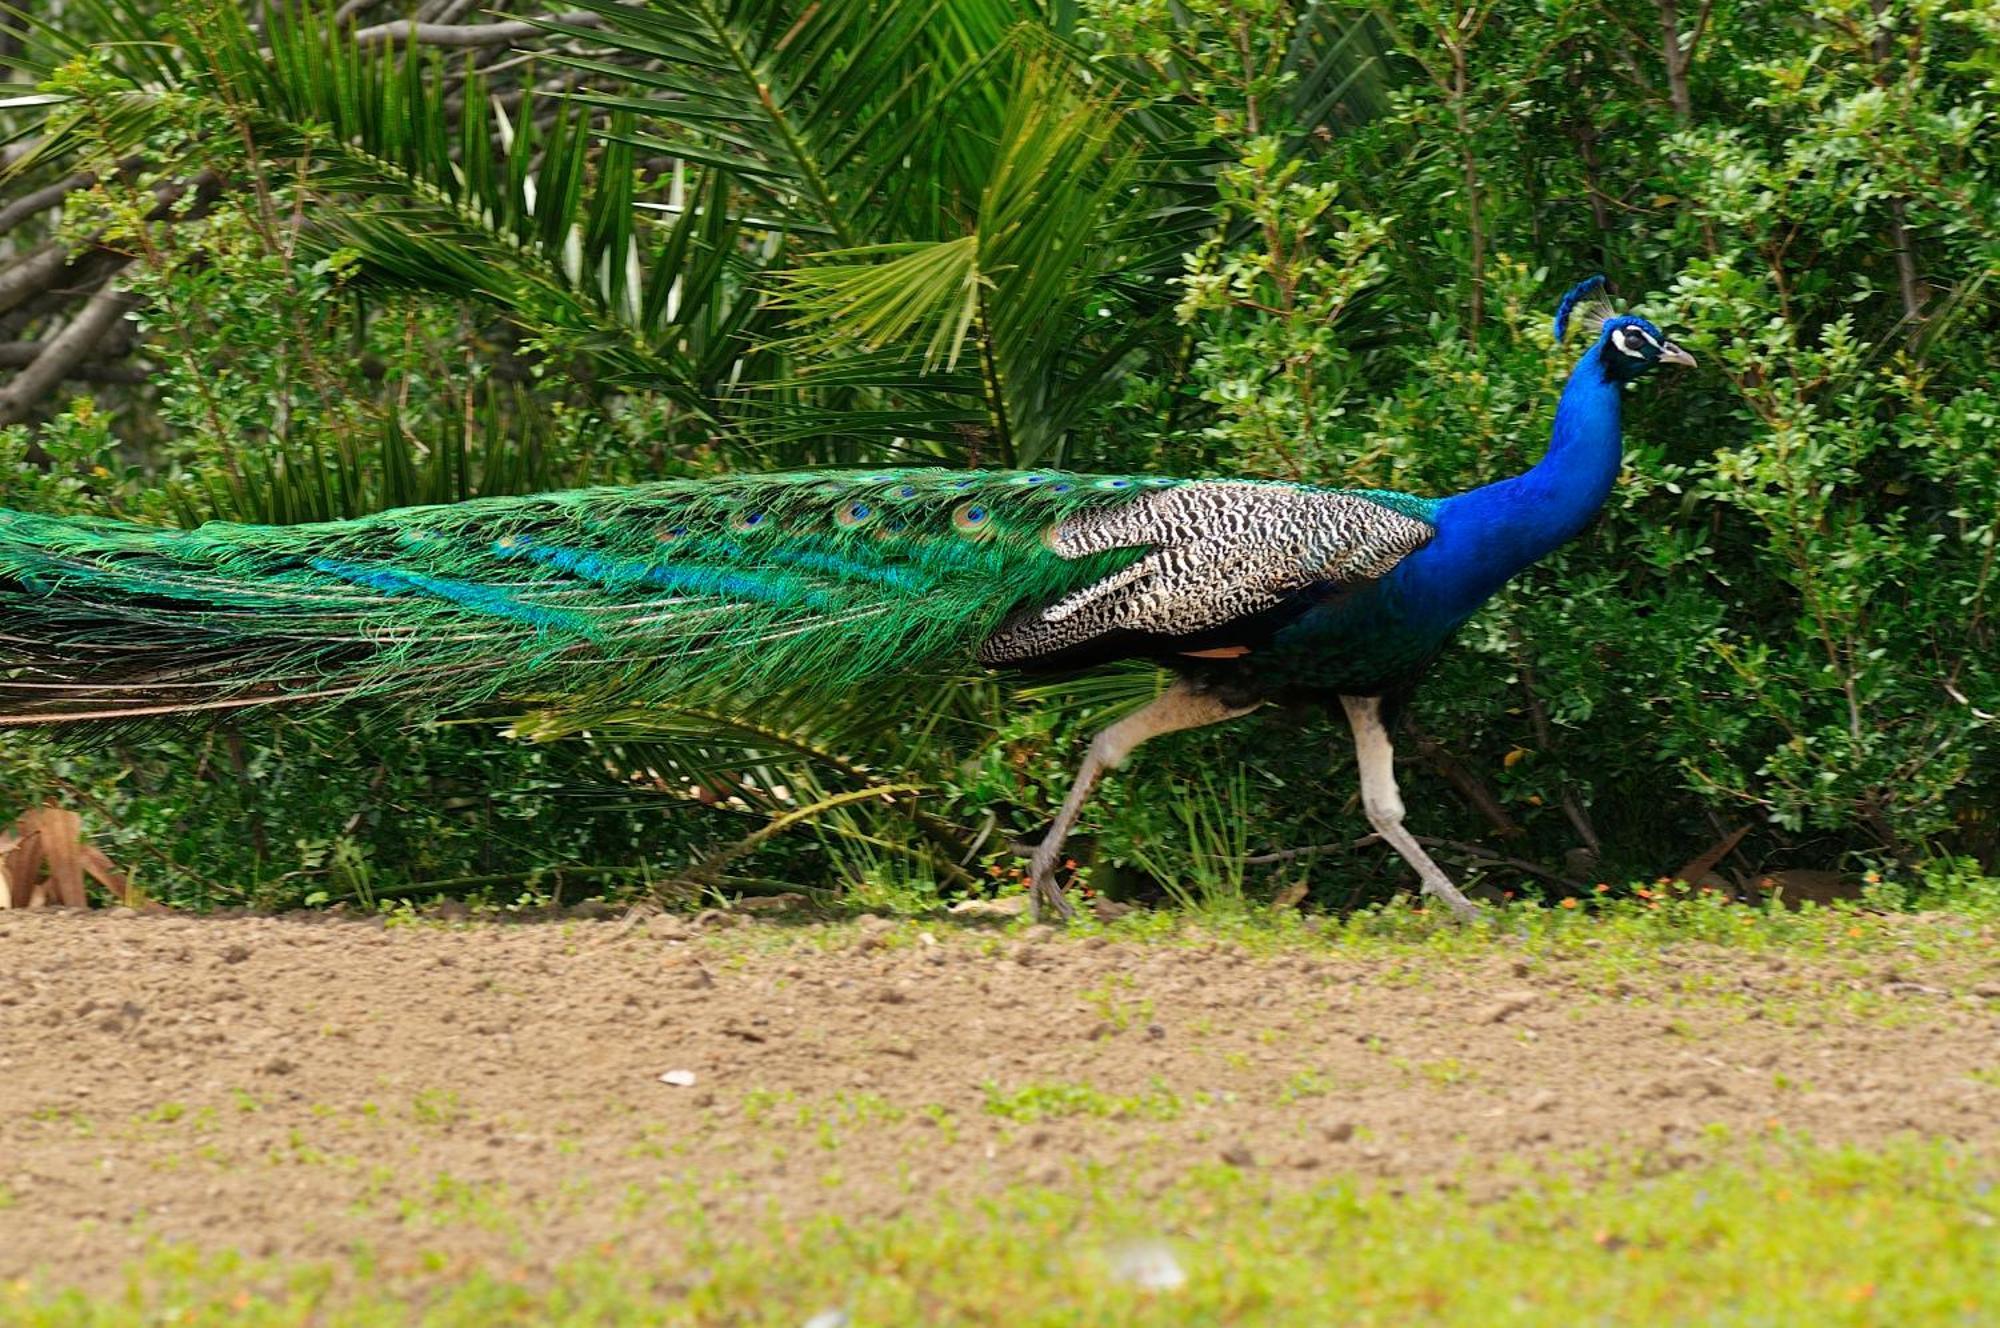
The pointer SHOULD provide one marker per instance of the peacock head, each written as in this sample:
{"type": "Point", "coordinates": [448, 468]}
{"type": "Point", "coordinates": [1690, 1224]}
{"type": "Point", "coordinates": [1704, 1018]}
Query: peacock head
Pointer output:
{"type": "Point", "coordinates": [1628, 346]}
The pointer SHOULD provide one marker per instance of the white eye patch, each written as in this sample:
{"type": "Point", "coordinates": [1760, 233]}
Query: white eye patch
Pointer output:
{"type": "Point", "coordinates": [1633, 341]}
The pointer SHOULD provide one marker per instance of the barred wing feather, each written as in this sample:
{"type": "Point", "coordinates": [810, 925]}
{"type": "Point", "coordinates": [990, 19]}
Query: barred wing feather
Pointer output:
{"type": "Point", "coordinates": [1217, 552]}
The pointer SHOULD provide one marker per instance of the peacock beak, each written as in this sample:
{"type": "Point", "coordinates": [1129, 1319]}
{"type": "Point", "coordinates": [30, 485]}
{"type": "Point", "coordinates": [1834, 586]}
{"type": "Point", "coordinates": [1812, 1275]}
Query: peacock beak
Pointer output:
{"type": "Point", "coordinates": [1672, 354]}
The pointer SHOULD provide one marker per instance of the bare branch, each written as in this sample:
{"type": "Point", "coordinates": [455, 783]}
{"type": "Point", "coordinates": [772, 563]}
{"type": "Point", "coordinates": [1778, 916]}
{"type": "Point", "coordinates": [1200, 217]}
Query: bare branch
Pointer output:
{"type": "Point", "coordinates": [27, 205]}
{"type": "Point", "coordinates": [1477, 793]}
{"type": "Point", "coordinates": [1308, 851]}
{"type": "Point", "coordinates": [45, 198]}
{"type": "Point", "coordinates": [1710, 858]}
{"type": "Point", "coordinates": [1900, 240]}
{"type": "Point", "coordinates": [1538, 719]}
{"type": "Point", "coordinates": [1677, 58]}
{"type": "Point", "coordinates": [18, 354]}
{"type": "Point", "coordinates": [49, 277]}
{"type": "Point", "coordinates": [31, 276]}
{"type": "Point", "coordinates": [467, 34]}
{"type": "Point", "coordinates": [1700, 26]}
{"type": "Point", "coordinates": [66, 349]}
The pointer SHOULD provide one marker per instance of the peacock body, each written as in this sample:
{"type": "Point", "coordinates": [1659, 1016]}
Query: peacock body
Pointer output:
{"type": "Point", "coordinates": [686, 591]}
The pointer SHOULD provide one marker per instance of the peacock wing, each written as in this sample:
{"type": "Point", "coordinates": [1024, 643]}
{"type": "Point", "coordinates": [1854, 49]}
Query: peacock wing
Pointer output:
{"type": "Point", "coordinates": [1219, 552]}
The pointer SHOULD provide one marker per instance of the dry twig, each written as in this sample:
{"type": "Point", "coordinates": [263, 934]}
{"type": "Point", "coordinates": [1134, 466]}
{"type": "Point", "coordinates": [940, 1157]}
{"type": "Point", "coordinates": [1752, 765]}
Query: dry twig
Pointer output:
{"type": "Point", "coordinates": [466, 34]}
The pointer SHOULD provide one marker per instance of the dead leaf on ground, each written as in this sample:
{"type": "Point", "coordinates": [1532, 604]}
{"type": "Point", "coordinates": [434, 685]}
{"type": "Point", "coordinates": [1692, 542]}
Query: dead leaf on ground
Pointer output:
{"type": "Point", "coordinates": [779, 903]}
{"type": "Point", "coordinates": [1706, 862]}
{"type": "Point", "coordinates": [1013, 906]}
{"type": "Point", "coordinates": [44, 858]}
{"type": "Point", "coordinates": [1798, 886]}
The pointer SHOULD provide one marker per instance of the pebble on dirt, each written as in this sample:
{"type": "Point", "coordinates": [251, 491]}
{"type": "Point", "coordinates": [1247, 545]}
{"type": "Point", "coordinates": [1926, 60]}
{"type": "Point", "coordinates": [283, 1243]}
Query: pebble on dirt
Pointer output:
{"type": "Point", "coordinates": [1148, 1265]}
{"type": "Point", "coordinates": [1504, 1006]}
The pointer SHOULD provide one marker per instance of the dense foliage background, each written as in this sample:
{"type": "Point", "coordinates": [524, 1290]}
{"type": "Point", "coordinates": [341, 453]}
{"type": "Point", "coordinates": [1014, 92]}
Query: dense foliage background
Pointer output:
{"type": "Point", "coordinates": [285, 264]}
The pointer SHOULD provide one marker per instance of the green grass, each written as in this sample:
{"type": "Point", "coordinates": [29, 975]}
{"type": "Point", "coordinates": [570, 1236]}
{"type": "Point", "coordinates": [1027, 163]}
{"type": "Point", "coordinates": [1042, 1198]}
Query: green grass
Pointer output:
{"type": "Point", "coordinates": [1794, 1235]}
{"type": "Point", "coordinates": [1057, 1101]}
{"type": "Point", "coordinates": [1609, 933]}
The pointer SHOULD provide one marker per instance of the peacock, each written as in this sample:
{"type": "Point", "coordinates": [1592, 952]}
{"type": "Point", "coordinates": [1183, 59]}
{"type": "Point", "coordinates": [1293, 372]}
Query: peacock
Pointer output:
{"type": "Point", "coordinates": [748, 586]}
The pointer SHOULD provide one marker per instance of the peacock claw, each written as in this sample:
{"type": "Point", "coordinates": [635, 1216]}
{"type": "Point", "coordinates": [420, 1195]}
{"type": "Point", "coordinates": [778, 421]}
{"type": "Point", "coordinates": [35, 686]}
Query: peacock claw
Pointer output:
{"type": "Point", "coordinates": [1464, 912]}
{"type": "Point", "coordinates": [1049, 901]}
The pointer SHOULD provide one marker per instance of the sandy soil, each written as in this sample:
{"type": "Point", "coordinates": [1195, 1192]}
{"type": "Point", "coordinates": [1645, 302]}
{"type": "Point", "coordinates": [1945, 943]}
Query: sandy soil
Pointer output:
{"type": "Point", "coordinates": [307, 1086]}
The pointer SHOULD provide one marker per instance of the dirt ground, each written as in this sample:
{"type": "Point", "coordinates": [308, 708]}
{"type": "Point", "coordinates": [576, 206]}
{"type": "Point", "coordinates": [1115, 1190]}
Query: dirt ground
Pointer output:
{"type": "Point", "coordinates": [310, 1086]}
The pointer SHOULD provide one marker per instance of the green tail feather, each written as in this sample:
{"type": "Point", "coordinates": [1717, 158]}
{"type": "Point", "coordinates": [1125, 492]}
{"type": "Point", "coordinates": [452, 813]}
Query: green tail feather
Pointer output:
{"type": "Point", "coordinates": [675, 592]}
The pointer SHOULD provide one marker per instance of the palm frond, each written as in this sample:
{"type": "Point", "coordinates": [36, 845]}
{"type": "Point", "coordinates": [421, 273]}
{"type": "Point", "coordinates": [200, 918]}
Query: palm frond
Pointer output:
{"type": "Point", "coordinates": [916, 288]}
{"type": "Point", "coordinates": [1041, 236]}
{"type": "Point", "coordinates": [790, 102]}
{"type": "Point", "coordinates": [503, 442]}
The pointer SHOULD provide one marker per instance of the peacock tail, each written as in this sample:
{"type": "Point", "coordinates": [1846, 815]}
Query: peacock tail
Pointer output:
{"type": "Point", "coordinates": [671, 592]}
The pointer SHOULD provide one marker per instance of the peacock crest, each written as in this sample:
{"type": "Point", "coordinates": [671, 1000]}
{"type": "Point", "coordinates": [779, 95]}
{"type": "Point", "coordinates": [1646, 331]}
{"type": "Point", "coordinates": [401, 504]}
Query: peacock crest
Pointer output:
{"type": "Point", "coordinates": [1587, 304]}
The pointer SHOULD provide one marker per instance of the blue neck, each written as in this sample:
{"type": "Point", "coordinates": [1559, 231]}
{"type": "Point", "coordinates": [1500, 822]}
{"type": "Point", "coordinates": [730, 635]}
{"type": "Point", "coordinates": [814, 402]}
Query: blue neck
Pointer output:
{"type": "Point", "coordinates": [1488, 534]}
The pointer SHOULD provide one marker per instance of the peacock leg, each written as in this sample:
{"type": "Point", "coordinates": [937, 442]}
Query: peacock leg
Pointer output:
{"type": "Point", "coordinates": [1384, 805]}
{"type": "Point", "coordinates": [1179, 707]}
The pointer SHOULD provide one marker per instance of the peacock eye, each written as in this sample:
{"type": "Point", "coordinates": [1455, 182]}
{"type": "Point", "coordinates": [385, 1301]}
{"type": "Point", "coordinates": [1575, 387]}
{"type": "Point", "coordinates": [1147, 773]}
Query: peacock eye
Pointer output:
{"type": "Point", "coordinates": [972, 519]}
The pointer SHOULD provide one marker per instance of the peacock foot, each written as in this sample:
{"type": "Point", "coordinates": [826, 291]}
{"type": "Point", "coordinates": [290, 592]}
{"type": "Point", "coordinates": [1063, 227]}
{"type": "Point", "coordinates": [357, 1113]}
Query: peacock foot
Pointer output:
{"type": "Point", "coordinates": [1461, 909]}
{"type": "Point", "coordinates": [1048, 899]}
